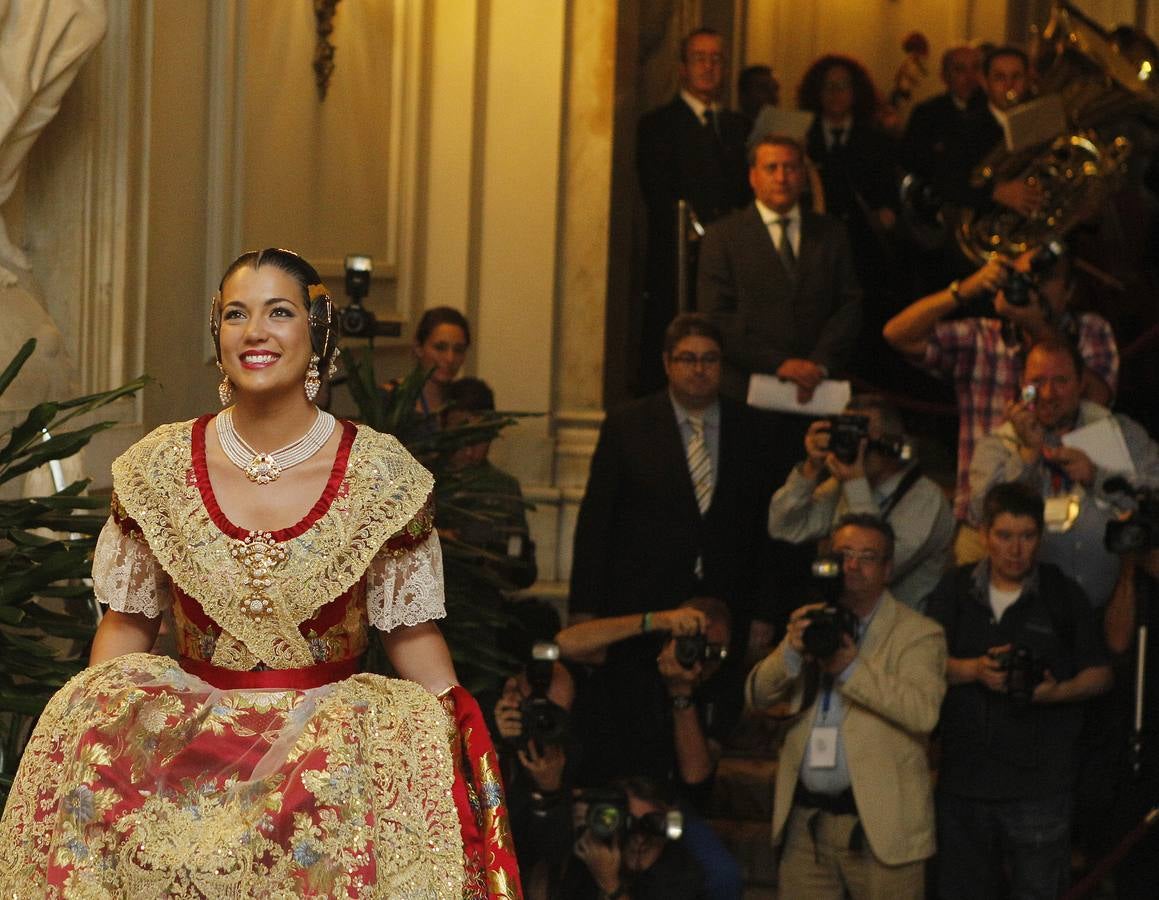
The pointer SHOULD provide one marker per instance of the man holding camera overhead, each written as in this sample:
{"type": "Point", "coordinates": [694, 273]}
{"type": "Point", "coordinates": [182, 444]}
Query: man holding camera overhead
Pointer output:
{"type": "Point", "coordinates": [859, 463]}
{"type": "Point", "coordinates": [981, 348]}
{"type": "Point", "coordinates": [1025, 653]}
{"type": "Point", "coordinates": [853, 806]}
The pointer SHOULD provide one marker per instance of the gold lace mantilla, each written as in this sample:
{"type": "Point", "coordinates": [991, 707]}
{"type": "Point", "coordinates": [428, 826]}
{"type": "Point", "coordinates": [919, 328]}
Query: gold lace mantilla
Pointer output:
{"type": "Point", "coordinates": [258, 590]}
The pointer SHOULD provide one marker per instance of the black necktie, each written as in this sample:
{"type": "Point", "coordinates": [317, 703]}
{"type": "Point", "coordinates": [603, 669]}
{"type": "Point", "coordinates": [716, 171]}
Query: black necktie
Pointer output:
{"type": "Point", "coordinates": [838, 137]}
{"type": "Point", "coordinates": [712, 120]}
{"type": "Point", "coordinates": [785, 245]}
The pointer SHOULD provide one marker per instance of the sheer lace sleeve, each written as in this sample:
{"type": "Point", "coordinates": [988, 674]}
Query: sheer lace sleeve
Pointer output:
{"type": "Point", "coordinates": [405, 587]}
{"type": "Point", "coordinates": [126, 576]}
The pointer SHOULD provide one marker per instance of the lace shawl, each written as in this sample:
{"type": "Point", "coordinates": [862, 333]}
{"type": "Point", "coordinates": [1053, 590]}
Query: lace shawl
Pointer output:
{"type": "Point", "coordinates": [258, 589]}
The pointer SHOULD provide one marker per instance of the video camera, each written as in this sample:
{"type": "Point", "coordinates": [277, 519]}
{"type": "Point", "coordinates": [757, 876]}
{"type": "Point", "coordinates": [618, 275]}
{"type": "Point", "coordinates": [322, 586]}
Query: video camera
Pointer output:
{"type": "Point", "coordinates": [1020, 284]}
{"type": "Point", "coordinates": [822, 637]}
{"type": "Point", "coordinates": [355, 320]}
{"type": "Point", "coordinates": [544, 721]}
{"type": "Point", "coordinates": [693, 648]}
{"type": "Point", "coordinates": [607, 817]}
{"type": "Point", "coordinates": [846, 431]}
{"type": "Point", "coordinates": [1024, 672]}
{"type": "Point", "coordinates": [1140, 530]}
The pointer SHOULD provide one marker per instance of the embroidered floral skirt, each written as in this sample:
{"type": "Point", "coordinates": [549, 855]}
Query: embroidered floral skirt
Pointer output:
{"type": "Point", "coordinates": [143, 781]}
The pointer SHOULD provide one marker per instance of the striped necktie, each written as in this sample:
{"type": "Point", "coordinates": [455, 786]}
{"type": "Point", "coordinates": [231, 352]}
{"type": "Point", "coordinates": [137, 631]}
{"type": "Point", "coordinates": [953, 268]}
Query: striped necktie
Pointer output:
{"type": "Point", "coordinates": [699, 464]}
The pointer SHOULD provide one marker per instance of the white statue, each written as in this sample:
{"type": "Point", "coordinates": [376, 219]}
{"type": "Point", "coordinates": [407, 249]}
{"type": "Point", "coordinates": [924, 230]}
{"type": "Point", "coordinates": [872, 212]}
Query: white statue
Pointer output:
{"type": "Point", "coordinates": [43, 44]}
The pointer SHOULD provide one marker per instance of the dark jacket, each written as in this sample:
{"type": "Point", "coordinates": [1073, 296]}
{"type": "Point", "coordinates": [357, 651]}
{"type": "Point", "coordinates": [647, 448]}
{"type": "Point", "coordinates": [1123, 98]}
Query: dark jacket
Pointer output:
{"type": "Point", "coordinates": [992, 746]}
{"type": "Point", "coordinates": [768, 317]}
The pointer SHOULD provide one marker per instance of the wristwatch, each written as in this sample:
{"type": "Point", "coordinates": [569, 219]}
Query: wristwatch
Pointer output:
{"type": "Point", "coordinates": [682, 701]}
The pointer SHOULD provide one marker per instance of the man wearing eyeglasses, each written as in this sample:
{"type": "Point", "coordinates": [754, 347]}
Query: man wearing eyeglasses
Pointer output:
{"type": "Point", "coordinates": [853, 805]}
{"type": "Point", "coordinates": [675, 498]}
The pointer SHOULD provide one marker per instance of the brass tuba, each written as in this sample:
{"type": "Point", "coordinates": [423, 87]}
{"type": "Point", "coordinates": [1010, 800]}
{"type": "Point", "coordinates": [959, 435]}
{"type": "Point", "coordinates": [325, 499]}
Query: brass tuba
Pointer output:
{"type": "Point", "coordinates": [1110, 95]}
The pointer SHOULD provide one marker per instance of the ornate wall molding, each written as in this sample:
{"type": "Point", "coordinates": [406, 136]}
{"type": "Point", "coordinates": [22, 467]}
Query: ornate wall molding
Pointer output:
{"type": "Point", "coordinates": [317, 146]}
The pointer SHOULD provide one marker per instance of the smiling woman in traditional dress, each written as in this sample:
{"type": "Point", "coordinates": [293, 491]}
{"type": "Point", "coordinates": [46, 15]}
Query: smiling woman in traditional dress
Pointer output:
{"type": "Point", "coordinates": [261, 763]}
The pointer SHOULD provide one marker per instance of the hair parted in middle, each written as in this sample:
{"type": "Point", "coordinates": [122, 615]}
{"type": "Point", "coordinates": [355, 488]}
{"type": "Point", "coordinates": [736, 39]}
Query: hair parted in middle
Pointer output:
{"type": "Point", "coordinates": [315, 298]}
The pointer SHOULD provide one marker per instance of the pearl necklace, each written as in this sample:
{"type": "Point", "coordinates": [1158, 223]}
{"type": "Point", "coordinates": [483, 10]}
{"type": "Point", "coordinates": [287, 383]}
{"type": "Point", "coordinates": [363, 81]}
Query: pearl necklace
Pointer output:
{"type": "Point", "coordinates": [264, 468]}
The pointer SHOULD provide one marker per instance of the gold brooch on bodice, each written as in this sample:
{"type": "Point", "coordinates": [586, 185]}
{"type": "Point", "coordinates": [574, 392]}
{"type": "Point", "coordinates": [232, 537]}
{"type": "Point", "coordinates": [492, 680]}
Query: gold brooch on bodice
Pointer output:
{"type": "Point", "coordinates": [259, 555]}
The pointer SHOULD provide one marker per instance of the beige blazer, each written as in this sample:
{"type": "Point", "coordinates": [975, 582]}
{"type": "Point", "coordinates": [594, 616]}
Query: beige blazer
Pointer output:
{"type": "Point", "coordinates": [891, 706]}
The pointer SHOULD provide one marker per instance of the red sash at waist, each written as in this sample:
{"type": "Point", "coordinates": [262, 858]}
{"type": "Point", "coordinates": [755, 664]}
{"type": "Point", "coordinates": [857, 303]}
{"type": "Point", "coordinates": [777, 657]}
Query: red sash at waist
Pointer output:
{"type": "Point", "coordinates": [278, 679]}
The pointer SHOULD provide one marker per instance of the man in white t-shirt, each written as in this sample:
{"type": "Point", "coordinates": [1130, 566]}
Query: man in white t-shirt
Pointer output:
{"type": "Point", "coordinates": [1024, 654]}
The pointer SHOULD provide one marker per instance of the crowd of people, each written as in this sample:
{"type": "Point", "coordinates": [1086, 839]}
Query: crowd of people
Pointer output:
{"type": "Point", "coordinates": [952, 665]}
{"type": "Point", "coordinates": [949, 653]}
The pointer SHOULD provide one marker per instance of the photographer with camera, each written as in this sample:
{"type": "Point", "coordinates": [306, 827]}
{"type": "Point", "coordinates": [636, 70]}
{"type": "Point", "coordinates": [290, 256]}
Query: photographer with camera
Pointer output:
{"type": "Point", "coordinates": [859, 463]}
{"type": "Point", "coordinates": [532, 719]}
{"type": "Point", "coordinates": [629, 844]}
{"type": "Point", "coordinates": [853, 807]}
{"type": "Point", "coordinates": [1033, 447]}
{"type": "Point", "coordinates": [1025, 653]}
{"type": "Point", "coordinates": [658, 701]}
{"type": "Point", "coordinates": [956, 335]}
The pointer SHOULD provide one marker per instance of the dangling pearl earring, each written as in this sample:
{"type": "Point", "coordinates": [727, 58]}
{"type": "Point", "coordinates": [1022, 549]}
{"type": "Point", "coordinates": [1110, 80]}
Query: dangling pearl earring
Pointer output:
{"type": "Point", "coordinates": [224, 388]}
{"type": "Point", "coordinates": [313, 380]}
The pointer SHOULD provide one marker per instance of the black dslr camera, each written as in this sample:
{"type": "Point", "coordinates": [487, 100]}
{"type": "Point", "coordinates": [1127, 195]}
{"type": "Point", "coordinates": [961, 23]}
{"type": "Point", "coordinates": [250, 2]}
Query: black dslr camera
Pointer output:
{"type": "Point", "coordinates": [694, 648]}
{"type": "Point", "coordinates": [1020, 284]}
{"type": "Point", "coordinates": [544, 722]}
{"type": "Point", "coordinates": [607, 817]}
{"type": "Point", "coordinates": [846, 432]}
{"type": "Point", "coordinates": [1024, 671]}
{"type": "Point", "coordinates": [1140, 531]}
{"type": "Point", "coordinates": [355, 320]}
{"type": "Point", "coordinates": [822, 637]}
{"type": "Point", "coordinates": [845, 435]}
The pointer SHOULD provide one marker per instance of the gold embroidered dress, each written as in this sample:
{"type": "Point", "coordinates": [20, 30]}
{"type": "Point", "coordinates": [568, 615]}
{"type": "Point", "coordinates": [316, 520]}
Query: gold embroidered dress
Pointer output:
{"type": "Point", "coordinates": [260, 764]}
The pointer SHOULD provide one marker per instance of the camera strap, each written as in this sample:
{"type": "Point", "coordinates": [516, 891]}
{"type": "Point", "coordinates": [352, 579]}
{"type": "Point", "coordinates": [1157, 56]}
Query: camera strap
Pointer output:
{"type": "Point", "coordinates": [908, 481]}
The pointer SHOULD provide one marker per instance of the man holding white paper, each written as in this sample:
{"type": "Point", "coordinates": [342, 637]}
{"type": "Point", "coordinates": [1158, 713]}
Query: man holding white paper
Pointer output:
{"type": "Point", "coordinates": [779, 281]}
{"type": "Point", "coordinates": [1067, 448]}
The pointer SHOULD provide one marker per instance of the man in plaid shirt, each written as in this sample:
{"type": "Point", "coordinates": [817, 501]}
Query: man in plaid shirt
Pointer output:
{"type": "Point", "coordinates": [984, 356]}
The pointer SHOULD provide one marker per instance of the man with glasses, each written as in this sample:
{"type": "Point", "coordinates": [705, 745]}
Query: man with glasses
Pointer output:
{"type": "Point", "coordinates": [676, 495]}
{"type": "Point", "coordinates": [853, 805]}
{"type": "Point", "coordinates": [691, 149]}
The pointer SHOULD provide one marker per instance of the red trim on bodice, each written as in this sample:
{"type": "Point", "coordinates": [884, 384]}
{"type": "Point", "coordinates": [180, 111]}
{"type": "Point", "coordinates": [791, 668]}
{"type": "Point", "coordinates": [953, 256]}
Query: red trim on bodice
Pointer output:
{"type": "Point", "coordinates": [337, 474]}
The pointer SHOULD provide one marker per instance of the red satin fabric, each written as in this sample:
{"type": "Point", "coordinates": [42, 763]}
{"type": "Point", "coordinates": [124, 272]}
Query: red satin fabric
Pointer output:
{"type": "Point", "coordinates": [488, 851]}
{"type": "Point", "coordinates": [278, 679]}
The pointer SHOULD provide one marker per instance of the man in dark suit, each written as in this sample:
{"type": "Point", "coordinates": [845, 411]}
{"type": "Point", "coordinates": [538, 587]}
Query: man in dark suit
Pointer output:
{"type": "Point", "coordinates": [936, 126]}
{"type": "Point", "coordinates": [691, 149]}
{"type": "Point", "coordinates": [1005, 74]}
{"type": "Point", "coordinates": [674, 502]}
{"type": "Point", "coordinates": [779, 280]}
